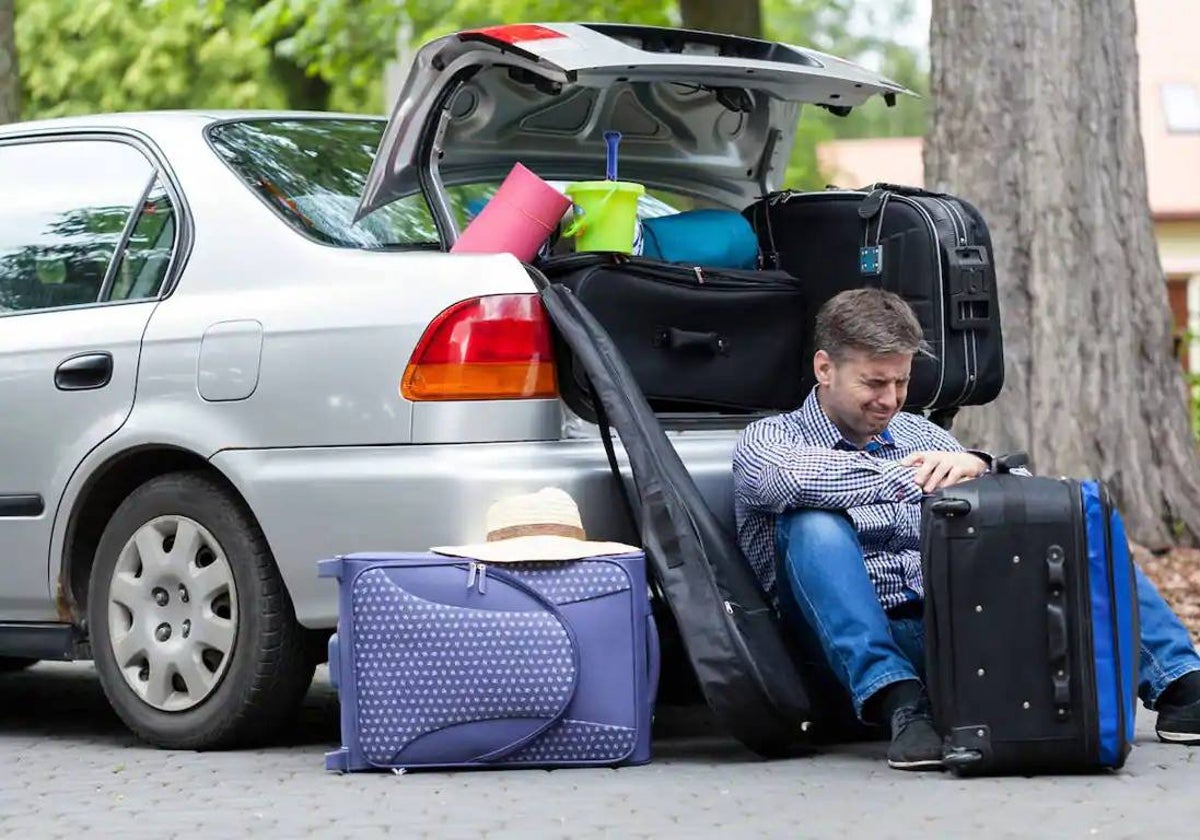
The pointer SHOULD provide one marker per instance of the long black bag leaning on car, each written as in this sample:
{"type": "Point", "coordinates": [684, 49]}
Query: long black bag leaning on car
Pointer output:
{"type": "Point", "coordinates": [729, 632]}
{"type": "Point", "coordinates": [932, 249]}
{"type": "Point", "coordinates": [695, 337]}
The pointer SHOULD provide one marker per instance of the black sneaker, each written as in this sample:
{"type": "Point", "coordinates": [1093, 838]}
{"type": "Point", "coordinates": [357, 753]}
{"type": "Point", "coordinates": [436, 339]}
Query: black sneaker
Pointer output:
{"type": "Point", "coordinates": [1178, 724]}
{"type": "Point", "coordinates": [915, 743]}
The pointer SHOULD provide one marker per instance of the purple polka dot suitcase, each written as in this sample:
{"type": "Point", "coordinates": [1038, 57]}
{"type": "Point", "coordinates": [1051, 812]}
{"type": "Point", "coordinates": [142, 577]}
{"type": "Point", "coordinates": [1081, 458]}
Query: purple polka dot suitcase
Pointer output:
{"type": "Point", "coordinates": [445, 662]}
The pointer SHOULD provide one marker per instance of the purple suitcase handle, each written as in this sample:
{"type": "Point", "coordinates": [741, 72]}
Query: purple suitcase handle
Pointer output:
{"type": "Point", "coordinates": [552, 608]}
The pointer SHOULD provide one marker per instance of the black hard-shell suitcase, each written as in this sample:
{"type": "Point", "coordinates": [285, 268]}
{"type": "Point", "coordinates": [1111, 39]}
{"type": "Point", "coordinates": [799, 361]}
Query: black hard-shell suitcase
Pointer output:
{"type": "Point", "coordinates": [1031, 625]}
{"type": "Point", "coordinates": [730, 634]}
{"type": "Point", "coordinates": [934, 250]}
{"type": "Point", "coordinates": [696, 338]}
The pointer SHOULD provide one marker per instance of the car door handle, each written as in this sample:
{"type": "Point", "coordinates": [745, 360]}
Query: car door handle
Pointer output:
{"type": "Point", "coordinates": [84, 372]}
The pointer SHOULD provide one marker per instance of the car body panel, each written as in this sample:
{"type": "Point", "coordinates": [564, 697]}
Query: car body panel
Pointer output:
{"type": "Point", "coordinates": [45, 432]}
{"type": "Point", "coordinates": [317, 503]}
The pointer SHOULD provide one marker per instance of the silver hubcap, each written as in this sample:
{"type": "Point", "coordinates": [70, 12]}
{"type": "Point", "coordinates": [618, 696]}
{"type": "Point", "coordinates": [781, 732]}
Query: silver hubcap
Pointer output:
{"type": "Point", "coordinates": [172, 613]}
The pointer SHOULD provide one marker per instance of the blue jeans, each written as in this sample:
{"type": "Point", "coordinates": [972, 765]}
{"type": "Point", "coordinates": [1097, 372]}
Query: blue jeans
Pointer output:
{"type": "Point", "coordinates": [851, 648]}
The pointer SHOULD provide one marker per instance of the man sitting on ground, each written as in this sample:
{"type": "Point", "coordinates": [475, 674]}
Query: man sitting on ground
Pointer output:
{"type": "Point", "coordinates": [828, 510]}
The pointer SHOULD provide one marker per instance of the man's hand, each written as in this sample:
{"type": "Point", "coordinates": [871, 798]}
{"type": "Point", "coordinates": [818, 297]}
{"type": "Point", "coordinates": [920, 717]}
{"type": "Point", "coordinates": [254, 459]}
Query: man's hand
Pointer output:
{"type": "Point", "coordinates": [935, 470]}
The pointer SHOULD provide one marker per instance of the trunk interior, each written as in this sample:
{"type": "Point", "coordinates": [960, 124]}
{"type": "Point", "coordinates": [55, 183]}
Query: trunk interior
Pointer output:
{"type": "Point", "coordinates": [721, 345]}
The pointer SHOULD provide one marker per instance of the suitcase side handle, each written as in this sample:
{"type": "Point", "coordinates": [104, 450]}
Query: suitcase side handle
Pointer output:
{"type": "Point", "coordinates": [1056, 627]}
{"type": "Point", "coordinates": [951, 507]}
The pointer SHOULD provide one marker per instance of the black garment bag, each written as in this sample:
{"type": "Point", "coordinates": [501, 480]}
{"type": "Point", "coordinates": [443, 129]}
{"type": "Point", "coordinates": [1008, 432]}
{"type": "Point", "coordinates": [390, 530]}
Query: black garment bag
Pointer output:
{"type": "Point", "coordinates": [729, 631]}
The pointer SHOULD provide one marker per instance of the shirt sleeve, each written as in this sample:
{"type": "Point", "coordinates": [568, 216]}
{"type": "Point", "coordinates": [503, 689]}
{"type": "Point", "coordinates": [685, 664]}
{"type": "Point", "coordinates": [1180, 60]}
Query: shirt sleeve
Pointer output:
{"type": "Point", "coordinates": [776, 471]}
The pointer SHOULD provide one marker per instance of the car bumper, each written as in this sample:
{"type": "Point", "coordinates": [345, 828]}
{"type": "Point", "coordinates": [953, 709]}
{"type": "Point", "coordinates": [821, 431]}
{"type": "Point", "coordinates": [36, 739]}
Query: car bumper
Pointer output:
{"type": "Point", "coordinates": [316, 503]}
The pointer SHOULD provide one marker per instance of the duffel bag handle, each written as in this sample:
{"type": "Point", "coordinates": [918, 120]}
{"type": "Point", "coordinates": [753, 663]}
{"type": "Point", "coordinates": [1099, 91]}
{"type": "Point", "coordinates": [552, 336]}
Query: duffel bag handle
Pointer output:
{"type": "Point", "coordinates": [673, 338]}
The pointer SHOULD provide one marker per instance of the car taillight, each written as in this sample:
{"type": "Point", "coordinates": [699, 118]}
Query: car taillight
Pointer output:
{"type": "Point", "coordinates": [489, 348]}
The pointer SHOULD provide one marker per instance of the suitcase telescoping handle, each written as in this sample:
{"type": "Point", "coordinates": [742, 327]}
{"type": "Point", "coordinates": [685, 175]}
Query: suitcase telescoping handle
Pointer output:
{"type": "Point", "coordinates": [903, 189]}
{"type": "Point", "coordinates": [1008, 463]}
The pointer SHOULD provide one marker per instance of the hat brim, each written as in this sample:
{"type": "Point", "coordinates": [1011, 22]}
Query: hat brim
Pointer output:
{"type": "Point", "coordinates": [540, 547]}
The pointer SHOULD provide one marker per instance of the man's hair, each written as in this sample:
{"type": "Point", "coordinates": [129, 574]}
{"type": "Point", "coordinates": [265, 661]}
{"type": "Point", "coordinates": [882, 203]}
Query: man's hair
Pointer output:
{"type": "Point", "coordinates": [873, 321]}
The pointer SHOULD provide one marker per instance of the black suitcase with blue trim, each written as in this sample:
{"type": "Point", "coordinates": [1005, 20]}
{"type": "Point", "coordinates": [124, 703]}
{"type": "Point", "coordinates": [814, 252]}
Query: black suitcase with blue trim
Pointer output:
{"type": "Point", "coordinates": [1031, 625]}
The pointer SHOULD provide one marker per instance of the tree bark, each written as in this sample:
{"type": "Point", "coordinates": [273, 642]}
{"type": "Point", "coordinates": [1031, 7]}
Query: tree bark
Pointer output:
{"type": "Point", "coordinates": [735, 17]}
{"type": "Point", "coordinates": [10, 81]}
{"type": "Point", "coordinates": [1035, 119]}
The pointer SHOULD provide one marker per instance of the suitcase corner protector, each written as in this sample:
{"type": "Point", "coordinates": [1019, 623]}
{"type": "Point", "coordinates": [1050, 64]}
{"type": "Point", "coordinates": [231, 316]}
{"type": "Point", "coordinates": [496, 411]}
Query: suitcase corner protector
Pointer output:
{"type": "Point", "coordinates": [331, 567]}
{"type": "Point", "coordinates": [338, 760]}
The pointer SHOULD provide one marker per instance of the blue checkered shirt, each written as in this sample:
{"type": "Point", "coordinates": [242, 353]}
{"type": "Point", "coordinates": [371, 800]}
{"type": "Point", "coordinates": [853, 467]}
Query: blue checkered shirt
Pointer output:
{"type": "Point", "coordinates": [801, 460]}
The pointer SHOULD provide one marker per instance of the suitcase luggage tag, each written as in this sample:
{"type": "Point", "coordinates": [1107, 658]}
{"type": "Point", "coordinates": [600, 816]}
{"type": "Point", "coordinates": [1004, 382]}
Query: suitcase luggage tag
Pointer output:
{"type": "Point", "coordinates": [870, 260]}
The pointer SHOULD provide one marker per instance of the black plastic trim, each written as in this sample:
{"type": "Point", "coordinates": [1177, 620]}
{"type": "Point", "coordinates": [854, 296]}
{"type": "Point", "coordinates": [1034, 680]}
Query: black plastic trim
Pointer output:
{"type": "Point", "coordinates": [21, 504]}
{"type": "Point", "coordinates": [38, 640]}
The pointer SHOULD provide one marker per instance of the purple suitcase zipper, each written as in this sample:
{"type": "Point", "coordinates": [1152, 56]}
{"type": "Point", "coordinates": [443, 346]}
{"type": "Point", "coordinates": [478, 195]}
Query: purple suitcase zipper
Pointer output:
{"type": "Point", "coordinates": [446, 662]}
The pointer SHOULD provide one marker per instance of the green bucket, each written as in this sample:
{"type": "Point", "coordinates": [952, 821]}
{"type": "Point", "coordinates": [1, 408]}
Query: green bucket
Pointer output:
{"type": "Point", "coordinates": [605, 215]}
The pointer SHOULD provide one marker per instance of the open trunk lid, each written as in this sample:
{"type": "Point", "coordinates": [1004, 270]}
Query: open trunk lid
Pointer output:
{"type": "Point", "coordinates": [700, 114]}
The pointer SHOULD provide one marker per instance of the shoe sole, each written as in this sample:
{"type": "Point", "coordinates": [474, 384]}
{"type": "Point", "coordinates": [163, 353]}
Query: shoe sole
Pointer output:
{"type": "Point", "coordinates": [920, 764]}
{"type": "Point", "coordinates": [1179, 737]}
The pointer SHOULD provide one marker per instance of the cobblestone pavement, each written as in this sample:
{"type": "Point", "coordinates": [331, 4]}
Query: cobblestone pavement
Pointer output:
{"type": "Point", "coordinates": [69, 769]}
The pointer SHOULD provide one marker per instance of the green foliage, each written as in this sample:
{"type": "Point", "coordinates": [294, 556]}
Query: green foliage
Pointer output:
{"type": "Point", "coordinates": [115, 55]}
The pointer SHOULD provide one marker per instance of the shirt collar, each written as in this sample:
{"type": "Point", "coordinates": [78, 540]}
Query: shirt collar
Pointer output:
{"type": "Point", "coordinates": [823, 431]}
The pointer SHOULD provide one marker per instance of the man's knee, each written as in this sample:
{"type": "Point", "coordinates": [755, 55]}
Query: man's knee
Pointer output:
{"type": "Point", "coordinates": [817, 533]}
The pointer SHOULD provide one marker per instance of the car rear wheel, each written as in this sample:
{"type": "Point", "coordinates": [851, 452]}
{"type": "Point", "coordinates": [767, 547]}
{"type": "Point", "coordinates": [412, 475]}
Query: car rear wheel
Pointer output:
{"type": "Point", "coordinates": [8, 664]}
{"type": "Point", "coordinates": [193, 633]}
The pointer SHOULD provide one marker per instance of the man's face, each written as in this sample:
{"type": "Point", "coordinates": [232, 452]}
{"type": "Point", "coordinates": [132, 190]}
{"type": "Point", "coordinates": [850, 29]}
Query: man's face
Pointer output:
{"type": "Point", "coordinates": [862, 393]}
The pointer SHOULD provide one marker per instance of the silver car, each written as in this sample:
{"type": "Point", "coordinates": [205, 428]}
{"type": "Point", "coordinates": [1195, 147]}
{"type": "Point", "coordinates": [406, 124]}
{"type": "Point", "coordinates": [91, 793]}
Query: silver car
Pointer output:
{"type": "Point", "coordinates": [233, 344]}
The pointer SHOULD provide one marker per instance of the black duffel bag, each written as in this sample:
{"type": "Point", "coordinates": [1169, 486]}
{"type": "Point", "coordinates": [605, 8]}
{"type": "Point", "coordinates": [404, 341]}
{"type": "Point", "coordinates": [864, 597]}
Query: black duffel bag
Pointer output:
{"type": "Point", "coordinates": [696, 338]}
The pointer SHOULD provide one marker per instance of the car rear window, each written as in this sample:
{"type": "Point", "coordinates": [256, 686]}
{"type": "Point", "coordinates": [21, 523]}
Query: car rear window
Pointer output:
{"type": "Point", "coordinates": [311, 173]}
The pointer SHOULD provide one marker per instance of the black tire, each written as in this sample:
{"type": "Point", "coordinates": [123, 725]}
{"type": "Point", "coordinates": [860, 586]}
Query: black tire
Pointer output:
{"type": "Point", "coordinates": [268, 672]}
{"type": "Point", "coordinates": [9, 664]}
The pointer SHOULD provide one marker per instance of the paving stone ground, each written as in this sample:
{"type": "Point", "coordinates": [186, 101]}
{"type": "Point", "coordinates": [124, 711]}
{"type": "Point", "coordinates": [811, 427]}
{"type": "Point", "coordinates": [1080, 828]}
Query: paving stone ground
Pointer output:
{"type": "Point", "coordinates": [68, 768]}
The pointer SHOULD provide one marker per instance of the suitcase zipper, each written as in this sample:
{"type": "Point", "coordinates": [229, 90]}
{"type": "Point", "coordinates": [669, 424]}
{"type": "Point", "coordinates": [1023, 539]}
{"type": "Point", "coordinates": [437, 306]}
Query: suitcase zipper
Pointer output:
{"type": "Point", "coordinates": [694, 276]}
{"type": "Point", "coordinates": [941, 307]}
{"type": "Point", "coordinates": [1106, 509]}
{"type": "Point", "coordinates": [477, 577]}
{"type": "Point", "coordinates": [1090, 728]}
{"type": "Point", "coordinates": [970, 354]}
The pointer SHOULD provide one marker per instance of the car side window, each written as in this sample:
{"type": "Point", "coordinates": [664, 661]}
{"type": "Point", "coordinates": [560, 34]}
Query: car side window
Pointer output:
{"type": "Point", "coordinates": [147, 255]}
{"type": "Point", "coordinates": [66, 205]}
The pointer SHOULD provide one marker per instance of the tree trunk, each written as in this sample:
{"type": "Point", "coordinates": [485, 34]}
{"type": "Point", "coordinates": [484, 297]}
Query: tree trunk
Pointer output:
{"type": "Point", "coordinates": [10, 82]}
{"type": "Point", "coordinates": [1035, 120]}
{"type": "Point", "coordinates": [735, 17]}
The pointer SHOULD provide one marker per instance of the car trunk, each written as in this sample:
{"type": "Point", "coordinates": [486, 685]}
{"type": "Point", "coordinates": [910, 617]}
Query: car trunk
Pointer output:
{"type": "Point", "coordinates": [706, 116]}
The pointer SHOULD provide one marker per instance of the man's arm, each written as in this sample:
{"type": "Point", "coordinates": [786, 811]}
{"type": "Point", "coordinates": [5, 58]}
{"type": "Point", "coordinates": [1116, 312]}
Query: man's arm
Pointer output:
{"type": "Point", "coordinates": [775, 471]}
{"type": "Point", "coordinates": [938, 439]}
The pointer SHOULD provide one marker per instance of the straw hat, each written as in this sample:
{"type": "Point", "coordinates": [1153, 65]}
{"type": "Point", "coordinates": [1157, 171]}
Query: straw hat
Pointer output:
{"type": "Point", "coordinates": [535, 526]}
